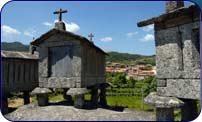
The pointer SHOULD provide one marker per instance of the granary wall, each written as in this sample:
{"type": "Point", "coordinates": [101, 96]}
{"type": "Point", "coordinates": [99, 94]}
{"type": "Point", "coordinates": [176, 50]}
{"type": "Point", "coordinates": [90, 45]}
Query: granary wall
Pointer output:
{"type": "Point", "coordinates": [19, 75]}
{"type": "Point", "coordinates": [178, 58]}
{"type": "Point", "coordinates": [93, 66]}
{"type": "Point", "coordinates": [68, 64]}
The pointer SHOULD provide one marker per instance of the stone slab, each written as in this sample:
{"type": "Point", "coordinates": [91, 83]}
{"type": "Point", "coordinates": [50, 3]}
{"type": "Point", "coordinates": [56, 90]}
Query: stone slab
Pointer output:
{"type": "Point", "coordinates": [39, 90]}
{"type": "Point", "coordinates": [162, 102]}
{"type": "Point", "coordinates": [77, 91]}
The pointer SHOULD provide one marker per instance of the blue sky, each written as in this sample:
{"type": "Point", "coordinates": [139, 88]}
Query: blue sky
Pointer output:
{"type": "Point", "coordinates": [112, 23]}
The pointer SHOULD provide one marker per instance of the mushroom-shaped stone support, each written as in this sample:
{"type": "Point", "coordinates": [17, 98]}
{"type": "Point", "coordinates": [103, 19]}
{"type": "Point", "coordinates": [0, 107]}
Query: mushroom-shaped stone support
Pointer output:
{"type": "Point", "coordinates": [164, 105]}
{"type": "Point", "coordinates": [79, 96]}
{"type": "Point", "coordinates": [42, 95]}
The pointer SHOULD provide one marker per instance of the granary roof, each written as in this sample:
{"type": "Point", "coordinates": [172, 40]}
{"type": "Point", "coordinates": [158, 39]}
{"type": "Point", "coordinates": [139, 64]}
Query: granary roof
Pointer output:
{"type": "Point", "coordinates": [175, 13]}
{"type": "Point", "coordinates": [43, 37]}
{"type": "Point", "coordinates": [19, 55]}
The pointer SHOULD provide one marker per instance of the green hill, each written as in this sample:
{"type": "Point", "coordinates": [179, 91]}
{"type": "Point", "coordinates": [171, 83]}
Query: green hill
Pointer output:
{"type": "Point", "coordinates": [127, 58]}
{"type": "Point", "coordinates": [113, 56]}
{"type": "Point", "coordinates": [14, 46]}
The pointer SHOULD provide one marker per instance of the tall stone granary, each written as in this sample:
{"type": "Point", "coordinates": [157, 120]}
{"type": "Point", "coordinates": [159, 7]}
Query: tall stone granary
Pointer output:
{"type": "Point", "coordinates": [177, 41]}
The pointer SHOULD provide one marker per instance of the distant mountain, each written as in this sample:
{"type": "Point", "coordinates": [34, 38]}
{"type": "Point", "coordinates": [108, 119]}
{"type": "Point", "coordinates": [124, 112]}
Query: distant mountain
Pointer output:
{"type": "Point", "coordinates": [14, 46]}
{"type": "Point", "coordinates": [113, 56]}
{"type": "Point", "coordinates": [127, 58]}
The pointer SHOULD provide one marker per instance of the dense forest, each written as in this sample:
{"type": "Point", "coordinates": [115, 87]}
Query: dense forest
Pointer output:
{"type": "Point", "coordinates": [124, 58]}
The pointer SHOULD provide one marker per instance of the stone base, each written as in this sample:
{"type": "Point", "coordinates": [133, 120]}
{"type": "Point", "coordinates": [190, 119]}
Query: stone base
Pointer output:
{"type": "Point", "coordinates": [79, 101]}
{"type": "Point", "coordinates": [42, 99]}
{"type": "Point", "coordinates": [164, 114]}
{"type": "Point", "coordinates": [103, 100]}
{"type": "Point", "coordinates": [94, 97]}
{"type": "Point", "coordinates": [26, 98]}
{"type": "Point", "coordinates": [4, 105]}
{"type": "Point", "coordinates": [189, 110]}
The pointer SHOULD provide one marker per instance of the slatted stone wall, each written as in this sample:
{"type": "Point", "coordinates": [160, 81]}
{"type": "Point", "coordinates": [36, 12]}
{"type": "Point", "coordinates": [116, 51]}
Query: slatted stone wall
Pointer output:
{"type": "Point", "coordinates": [19, 71]}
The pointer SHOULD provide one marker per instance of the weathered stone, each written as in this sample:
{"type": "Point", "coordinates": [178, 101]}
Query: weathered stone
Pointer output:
{"type": "Point", "coordinates": [162, 102]}
{"type": "Point", "coordinates": [77, 91]}
{"type": "Point", "coordinates": [42, 99]}
{"type": "Point", "coordinates": [39, 90]}
{"type": "Point", "coordinates": [161, 82]}
{"type": "Point", "coordinates": [181, 88]}
{"type": "Point", "coordinates": [164, 114]}
{"type": "Point", "coordinates": [79, 101]}
{"type": "Point", "coordinates": [173, 5]}
{"type": "Point", "coordinates": [189, 110]}
{"type": "Point", "coordinates": [60, 25]}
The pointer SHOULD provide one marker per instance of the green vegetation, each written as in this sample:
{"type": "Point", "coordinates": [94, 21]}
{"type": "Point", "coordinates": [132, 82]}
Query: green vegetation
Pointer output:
{"type": "Point", "coordinates": [14, 46]}
{"type": "Point", "coordinates": [130, 59]}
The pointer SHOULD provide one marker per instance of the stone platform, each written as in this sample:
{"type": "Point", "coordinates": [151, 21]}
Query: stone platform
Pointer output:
{"type": "Point", "coordinates": [63, 112]}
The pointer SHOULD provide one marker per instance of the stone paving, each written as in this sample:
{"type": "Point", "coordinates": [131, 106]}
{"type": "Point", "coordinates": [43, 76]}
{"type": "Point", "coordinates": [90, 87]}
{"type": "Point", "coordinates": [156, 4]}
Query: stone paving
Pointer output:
{"type": "Point", "coordinates": [64, 112]}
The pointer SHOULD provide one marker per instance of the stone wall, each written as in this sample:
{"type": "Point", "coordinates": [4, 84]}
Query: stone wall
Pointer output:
{"type": "Point", "coordinates": [178, 61]}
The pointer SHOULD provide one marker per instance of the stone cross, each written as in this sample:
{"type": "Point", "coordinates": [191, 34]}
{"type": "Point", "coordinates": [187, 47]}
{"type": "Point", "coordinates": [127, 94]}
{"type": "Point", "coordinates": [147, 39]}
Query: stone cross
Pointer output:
{"type": "Point", "coordinates": [91, 37]}
{"type": "Point", "coordinates": [60, 12]}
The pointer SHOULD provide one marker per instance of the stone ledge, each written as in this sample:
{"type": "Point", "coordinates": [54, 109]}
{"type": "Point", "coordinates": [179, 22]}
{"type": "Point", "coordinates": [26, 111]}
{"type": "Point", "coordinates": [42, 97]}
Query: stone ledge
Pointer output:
{"type": "Point", "coordinates": [162, 102]}
{"type": "Point", "coordinates": [77, 91]}
{"type": "Point", "coordinates": [39, 90]}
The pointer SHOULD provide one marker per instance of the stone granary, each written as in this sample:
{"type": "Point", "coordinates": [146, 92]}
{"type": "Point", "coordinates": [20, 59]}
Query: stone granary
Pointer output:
{"type": "Point", "coordinates": [177, 42]}
{"type": "Point", "coordinates": [70, 62]}
{"type": "Point", "coordinates": [19, 74]}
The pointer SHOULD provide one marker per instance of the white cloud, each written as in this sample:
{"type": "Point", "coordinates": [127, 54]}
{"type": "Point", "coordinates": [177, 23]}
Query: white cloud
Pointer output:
{"type": "Point", "coordinates": [47, 24]}
{"type": "Point", "coordinates": [130, 34]}
{"type": "Point", "coordinates": [106, 39]}
{"type": "Point", "coordinates": [29, 32]}
{"type": "Point", "coordinates": [72, 27]}
{"type": "Point", "coordinates": [9, 30]}
{"type": "Point", "coordinates": [148, 28]}
{"type": "Point", "coordinates": [147, 38]}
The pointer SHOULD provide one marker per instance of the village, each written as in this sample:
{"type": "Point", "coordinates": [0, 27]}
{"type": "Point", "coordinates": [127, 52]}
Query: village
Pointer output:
{"type": "Point", "coordinates": [132, 71]}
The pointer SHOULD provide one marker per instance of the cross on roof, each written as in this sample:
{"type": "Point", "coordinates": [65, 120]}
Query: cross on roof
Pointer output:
{"type": "Point", "coordinates": [91, 37]}
{"type": "Point", "coordinates": [60, 12]}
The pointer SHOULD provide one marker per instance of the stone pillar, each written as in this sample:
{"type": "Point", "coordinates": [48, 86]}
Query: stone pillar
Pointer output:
{"type": "Point", "coordinates": [94, 97]}
{"type": "Point", "coordinates": [42, 99]}
{"type": "Point", "coordinates": [103, 101]}
{"type": "Point", "coordinates": [164, 114]}
{"type": "Point", "coordinates": [65, 96]}
{"type": "Point", "coordinates": [79, 101]}
{"type": "Point", "coordinates": [189, 110]}
{"type": "Point", "coordinates": [4, 105]}
{"type": "Point", "coordinates": [26, 98]}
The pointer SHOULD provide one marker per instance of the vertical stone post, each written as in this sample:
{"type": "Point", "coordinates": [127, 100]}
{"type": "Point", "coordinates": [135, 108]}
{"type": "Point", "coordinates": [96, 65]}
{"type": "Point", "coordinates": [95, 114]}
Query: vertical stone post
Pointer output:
{"type": "Point", "coordinates": [26, 97]}
{"type": "Point", "coordinates": [79, 101]}
{"type": "Point", "coordinates": [164, 114]}
{"type": "Point", "coordinates": [42, 99]}
{"type": "Point", "coordinates": [94, 97]}
{"type": "Point", "coordinates": [4, 105]}
{"type": "Point", "coordinates": [65, 96]}
{"type": "Point", "coordinates": [189, 110]}
{"type": "Point", "coordinates": [103, 101]}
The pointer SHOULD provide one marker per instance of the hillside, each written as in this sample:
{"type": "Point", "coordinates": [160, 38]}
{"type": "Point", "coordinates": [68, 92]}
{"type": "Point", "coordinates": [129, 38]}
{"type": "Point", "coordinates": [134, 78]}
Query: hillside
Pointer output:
{"type": "Point", "coordinates": [113, 56]}
{"type": "Point", "coordinates": [14, 46]}
{"type": "Point", "coordinates": [130, 58]}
